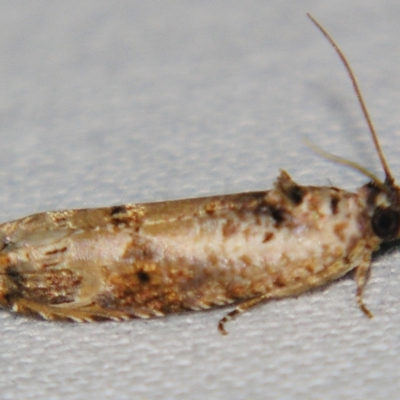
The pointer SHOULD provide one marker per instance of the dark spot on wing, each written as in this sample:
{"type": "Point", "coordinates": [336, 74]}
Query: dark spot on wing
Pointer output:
{"type": "Point", "coordinates": [334, 204]}
{"type": "Point", "coordinates": [14, 275]}
{"type": "Point", "coordinates": [15, 286]}
{"type": "Point", "coordinates": [295, 193]}
{"type": "Point", "coordinates": [119, 216]}
{"type": "Point", "coordinates": [277, 214]}
{"type": "Point", "coordinates": [55, 251]}
{"type": "Point", "coordinates": [143, 276]}
{"type": "Point", "coordinates": [280, 281]}
{"type": "Point", "coordinates": [118, 210]}
{"type": "Point", "coordinates": [268, 236]}
{"type": "Point", "coordinates": [12, 296]}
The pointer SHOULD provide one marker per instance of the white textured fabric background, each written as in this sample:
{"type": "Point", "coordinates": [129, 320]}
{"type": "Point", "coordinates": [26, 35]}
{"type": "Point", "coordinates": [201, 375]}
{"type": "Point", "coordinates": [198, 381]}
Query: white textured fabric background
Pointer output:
{"type": "Point", "coordinates": [112, 102]}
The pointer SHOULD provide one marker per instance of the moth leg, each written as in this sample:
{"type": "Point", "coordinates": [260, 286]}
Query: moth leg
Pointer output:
{"type": "Point", "coordinates": [239, 309]}
{"type": "Point", "coordinates": [361, 278]}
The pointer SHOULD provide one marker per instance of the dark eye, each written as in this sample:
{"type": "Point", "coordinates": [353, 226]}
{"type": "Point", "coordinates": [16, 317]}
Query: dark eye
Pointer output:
{"type": "Point", "coordinates": [385, 223]}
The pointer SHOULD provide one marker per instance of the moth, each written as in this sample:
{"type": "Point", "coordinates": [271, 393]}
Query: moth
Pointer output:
{"type": "Point", "coordinates": [149, 260]}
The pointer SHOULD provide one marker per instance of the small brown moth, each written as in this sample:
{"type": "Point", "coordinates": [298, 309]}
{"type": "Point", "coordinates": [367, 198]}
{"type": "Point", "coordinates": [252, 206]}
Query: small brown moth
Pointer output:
{"type": "Point", "coordinates": [148, 260]}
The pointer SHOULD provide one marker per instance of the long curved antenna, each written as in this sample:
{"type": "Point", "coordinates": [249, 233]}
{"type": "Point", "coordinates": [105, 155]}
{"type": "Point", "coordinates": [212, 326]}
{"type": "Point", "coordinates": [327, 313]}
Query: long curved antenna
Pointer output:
{"type": "Point", "coordinates": [389, 177]}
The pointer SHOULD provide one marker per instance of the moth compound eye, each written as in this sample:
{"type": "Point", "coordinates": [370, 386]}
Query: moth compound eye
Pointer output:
{"type": "Point", "coordinates": [385, 223]}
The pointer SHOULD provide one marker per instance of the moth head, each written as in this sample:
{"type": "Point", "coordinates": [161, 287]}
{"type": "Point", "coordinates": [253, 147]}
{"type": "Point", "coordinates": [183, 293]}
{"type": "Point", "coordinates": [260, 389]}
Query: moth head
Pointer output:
{"type": "Point", "coordinates": [385, 220]}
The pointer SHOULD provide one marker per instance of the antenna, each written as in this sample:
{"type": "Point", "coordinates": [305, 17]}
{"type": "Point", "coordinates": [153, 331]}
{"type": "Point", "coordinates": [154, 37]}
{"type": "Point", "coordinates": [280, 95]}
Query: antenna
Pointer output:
{"type": "Point", "coordinates": [389, 177]}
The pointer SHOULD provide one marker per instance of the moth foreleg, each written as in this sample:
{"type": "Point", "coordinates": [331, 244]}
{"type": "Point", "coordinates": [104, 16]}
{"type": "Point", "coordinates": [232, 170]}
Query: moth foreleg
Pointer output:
{"type": "Point", "coordinates": [239, 309]}
{"type": "Point", "coordinates": [361, 278]}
